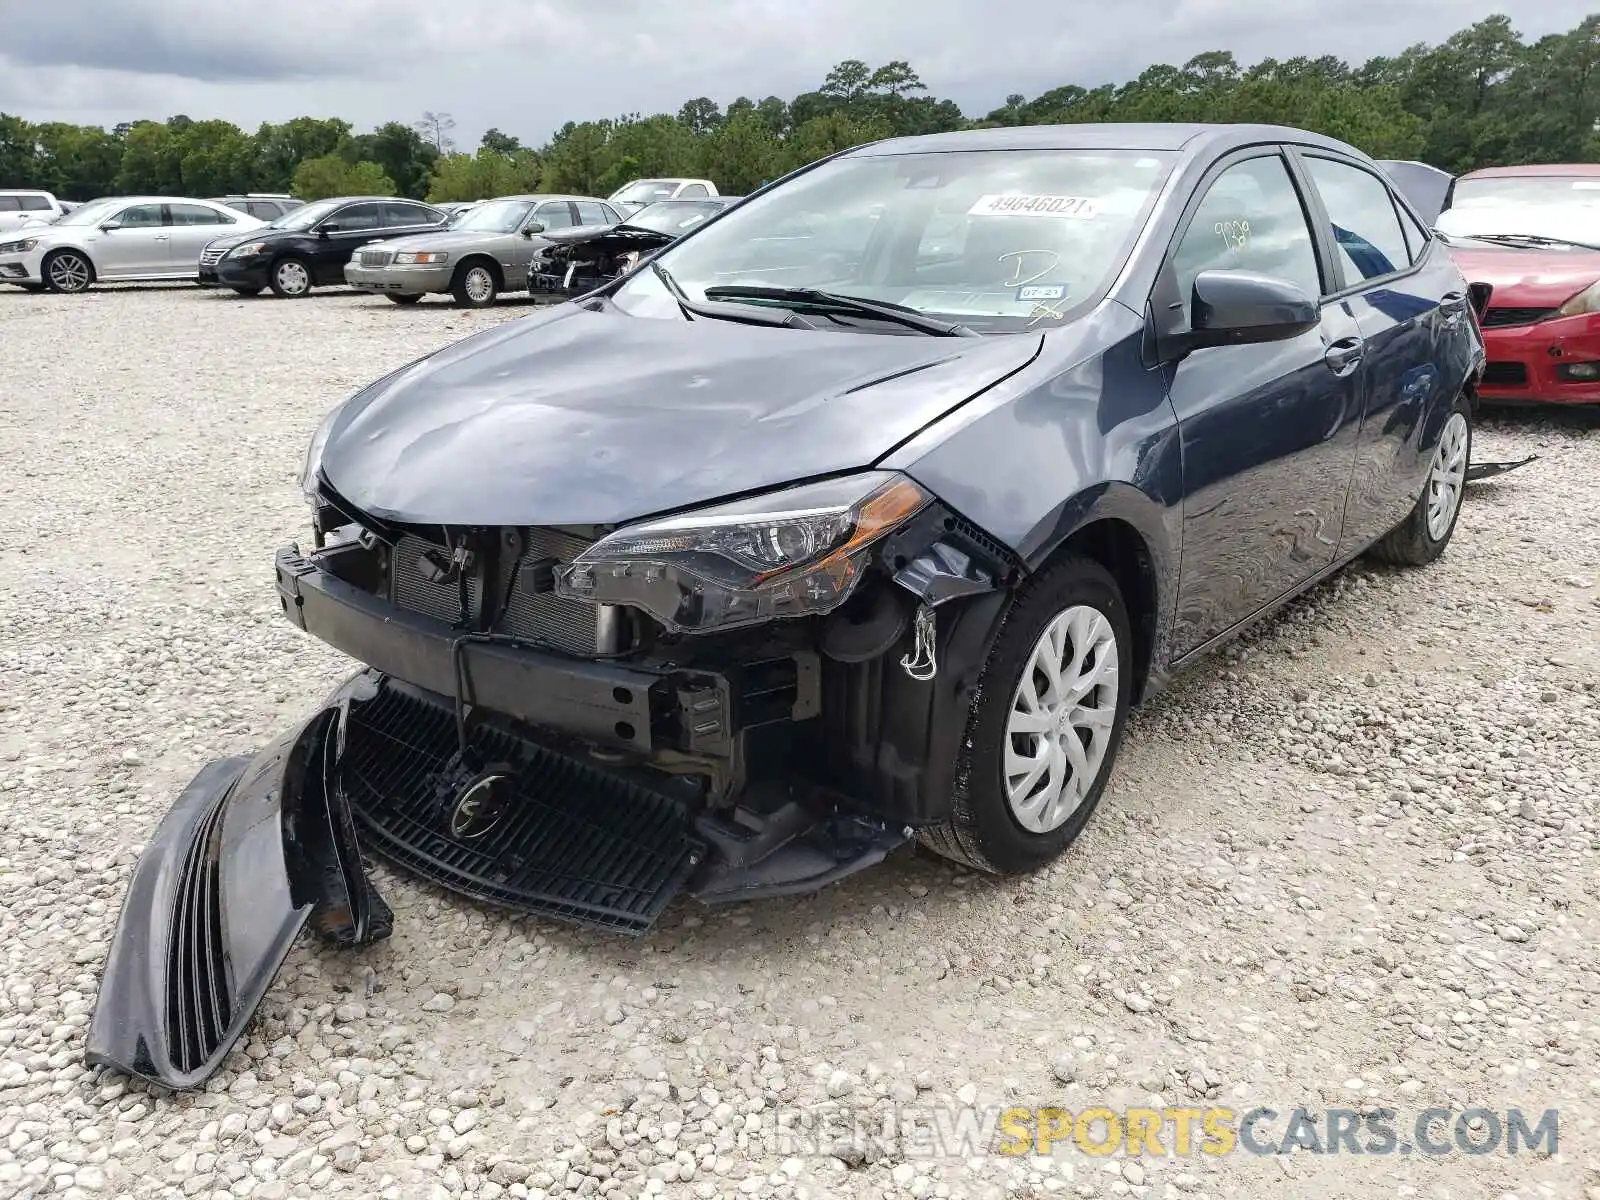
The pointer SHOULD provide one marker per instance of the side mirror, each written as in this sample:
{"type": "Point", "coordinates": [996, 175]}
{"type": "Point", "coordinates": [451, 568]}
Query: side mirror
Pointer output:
{"type": "Point", "coordinates": [531, 228]}
{"type": "Point", "coordinates": [110, 226]}
{"type": "Point", "coordinates": [327, 227]}
{"type": "Point", "coordinates": [1238, 308]}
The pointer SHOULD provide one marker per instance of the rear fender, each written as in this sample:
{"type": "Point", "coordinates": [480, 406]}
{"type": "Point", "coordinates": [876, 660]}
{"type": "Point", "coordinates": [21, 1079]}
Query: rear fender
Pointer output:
{"type": "Point", "coordinates": [252, 850]}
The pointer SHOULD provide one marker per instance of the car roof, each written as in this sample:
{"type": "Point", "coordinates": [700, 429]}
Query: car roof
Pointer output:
{"type": "Point", "coordinates": [1189, 137]}
{"type": "Point", "coordinates": [1535, 169]}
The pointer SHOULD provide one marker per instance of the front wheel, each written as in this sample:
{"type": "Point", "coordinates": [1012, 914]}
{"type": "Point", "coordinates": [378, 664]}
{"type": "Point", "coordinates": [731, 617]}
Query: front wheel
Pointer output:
{"type": "Point", "coordinates": [475, 286]}
{"type": "Point", "coordinates": [67, 271]}
{"type": "Point", "coordinates": [291, 278]}
{"type": "Point", "coordinates": [1041, 744]}
{"type": "Point", "coordinates": [1427, 529]}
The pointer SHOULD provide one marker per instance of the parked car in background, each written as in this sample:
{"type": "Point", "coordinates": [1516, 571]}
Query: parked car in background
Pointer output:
{"type": "Point", "coordinates": [631, 197]}
{"type": "Point", "coordinates": [116, 239]}
{"type": "Point", "coordinates": [486, 251]}
{"type": "Point", "coordinates": [20, 207]}
{"type": "Point", "coordinates": [1425, 186]}
{"type": "Point", "coordinates": [454, 209]}
{"type": "Point", "coordinates": [733, 588]}
{"type": "Point", "coordinates": [269, 206]}
{"type": "Point", "coordinates": [310, 246]}
{"type": "Point", "coordinates": [1556, 199]}
{"type": "Point", "coordinates": [578, 260]}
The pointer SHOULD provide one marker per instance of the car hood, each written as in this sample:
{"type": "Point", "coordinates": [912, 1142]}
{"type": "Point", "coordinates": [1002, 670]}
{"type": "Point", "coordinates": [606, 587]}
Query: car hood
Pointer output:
{"type": "Point", "coordinates": [1528, 278]}
{"type": "Point", "coordinates": [607, 238]}
{"type": "Point", "coordinates": [256, 233]}
{"type": "Point", "coordinates": [577, 417]}
{"type": "Point", "coordinates": [444, 239]}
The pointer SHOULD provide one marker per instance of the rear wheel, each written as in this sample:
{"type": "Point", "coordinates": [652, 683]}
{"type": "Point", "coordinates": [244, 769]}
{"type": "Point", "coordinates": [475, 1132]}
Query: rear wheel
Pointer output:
{"type": "Point", "coordinates": [1042, 743]}
{"type": "Point", "coordinates": [403, 297]}
{"type": "Point", "coordinates": [1426, 531]}
{"type": "Point", "coordinates": [67, 271]}
{"type": "Point", "coordinates": [291, 278]}
{"type": "Point", "coordinates": [475, 285]}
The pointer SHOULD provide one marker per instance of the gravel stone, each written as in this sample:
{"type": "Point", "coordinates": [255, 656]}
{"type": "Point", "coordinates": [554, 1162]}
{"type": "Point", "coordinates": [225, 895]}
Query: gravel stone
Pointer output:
{"type": "Point", "coordinates": [1360, 843]}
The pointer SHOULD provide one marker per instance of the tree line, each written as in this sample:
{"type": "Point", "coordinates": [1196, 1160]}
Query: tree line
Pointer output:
{"type": "Point", "coordinates": [1483, 96]}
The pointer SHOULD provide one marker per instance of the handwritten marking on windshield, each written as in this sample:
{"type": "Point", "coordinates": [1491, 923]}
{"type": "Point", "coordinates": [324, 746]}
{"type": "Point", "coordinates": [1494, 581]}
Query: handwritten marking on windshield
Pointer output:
{"type": "Point", "coordinates": [1235, 235]}
{"type": "Point", "coordinates": [1016, 267]}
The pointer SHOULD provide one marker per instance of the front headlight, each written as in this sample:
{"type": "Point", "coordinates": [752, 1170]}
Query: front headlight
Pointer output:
{"type": "Point", "coordinates": [794, 553]}
{"type": "Point", "coordinates": [247, 250]}
{"type": "Point", "coordinates": [1586, 301]}
{"type": "Point", "coordinates": [308, 476]}
{"type": "Point", "coordinates": [420, 258]}
{"type": "Point", "coordinates": [21, 247]}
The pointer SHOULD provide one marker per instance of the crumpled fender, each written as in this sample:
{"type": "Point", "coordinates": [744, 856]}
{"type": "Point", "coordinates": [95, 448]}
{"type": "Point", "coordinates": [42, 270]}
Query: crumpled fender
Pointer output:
{"type": "Point", "coordinates": [253, 849]}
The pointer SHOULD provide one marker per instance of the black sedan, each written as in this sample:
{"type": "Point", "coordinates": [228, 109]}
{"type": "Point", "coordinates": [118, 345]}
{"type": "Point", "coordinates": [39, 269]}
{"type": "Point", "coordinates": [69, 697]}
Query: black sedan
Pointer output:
{"type": "Point", "coordinates": [862, 513]}
{"type": "Point", "coordinates": [580, 259]}
{"type": "Point", "coordinates": [310, 246]}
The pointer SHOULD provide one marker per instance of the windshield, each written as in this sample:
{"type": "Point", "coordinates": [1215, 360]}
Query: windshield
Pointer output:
{"type": "Point", "coordinates": [674, 216]}
{"type": "Point", "coordinates": [1524, 191]}
{"type": "Point", "coordinates": [999, 240]}
{"type": "Point", "coordinates": [645, 191]}
{"type": "Point", "coordinates": [90, 213]}
{"type": "Point", "coordinates": [306, 215]}
{"type": "Point", "coordinates": [498, 216]}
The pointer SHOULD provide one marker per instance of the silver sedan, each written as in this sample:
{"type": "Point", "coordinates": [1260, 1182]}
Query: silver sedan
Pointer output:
{"type": "Point", "coordinates": [116, 239]}
{"type": "Point", "coordinates": [487, 251]}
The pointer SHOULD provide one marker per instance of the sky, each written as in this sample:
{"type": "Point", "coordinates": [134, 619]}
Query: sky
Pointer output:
{"type": "Point", "coordinates": [528, 66]}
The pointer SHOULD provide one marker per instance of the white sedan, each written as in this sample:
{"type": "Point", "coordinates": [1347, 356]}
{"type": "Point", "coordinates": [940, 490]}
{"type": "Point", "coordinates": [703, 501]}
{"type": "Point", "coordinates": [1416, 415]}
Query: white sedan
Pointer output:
{"type": "Point", "coordinates": [118, 239]}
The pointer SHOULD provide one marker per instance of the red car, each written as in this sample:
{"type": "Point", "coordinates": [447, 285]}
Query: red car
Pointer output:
{"type": "Point", "coordinates": [1532, 234]}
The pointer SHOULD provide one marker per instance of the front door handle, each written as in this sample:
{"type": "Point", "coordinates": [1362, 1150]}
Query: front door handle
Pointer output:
{"type": "Point", "coordinates": [1345, 355]}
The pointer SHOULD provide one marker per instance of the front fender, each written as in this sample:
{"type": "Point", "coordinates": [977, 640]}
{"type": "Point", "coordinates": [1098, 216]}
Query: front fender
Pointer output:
{"type": "Point", "coordinates": [253, 849]}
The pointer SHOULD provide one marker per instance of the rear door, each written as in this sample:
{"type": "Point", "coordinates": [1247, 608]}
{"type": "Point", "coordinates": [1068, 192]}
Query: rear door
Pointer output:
{"type": "Point", "coordinates": [1268, 431]}
{"type": "Point", "coordinates": [193, 227]}
{"type": "Point", "coordinates": [1411, 305]}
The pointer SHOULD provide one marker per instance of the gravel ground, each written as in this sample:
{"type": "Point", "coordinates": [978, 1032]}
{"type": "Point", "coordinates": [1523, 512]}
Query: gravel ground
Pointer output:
{"type": "Point", "coordinates": [1351, 862]}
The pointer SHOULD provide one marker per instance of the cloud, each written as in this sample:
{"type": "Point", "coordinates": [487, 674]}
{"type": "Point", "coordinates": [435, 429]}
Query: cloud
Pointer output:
{"type": "Point", "coordinates": [528, 67]}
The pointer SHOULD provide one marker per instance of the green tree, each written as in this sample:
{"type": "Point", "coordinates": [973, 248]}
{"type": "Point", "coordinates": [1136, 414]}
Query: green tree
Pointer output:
{"type": "Point", "coordinates": [280, 149]}
{"type": "Point", "coordinates": [329, 175]}
{"type": "Point", "coordinates": [483, 176]}
{"type": "Point", "coordinates": [19, 155]}
{"type": "Point", "coordinates": [400, 150]}
{"type": "Point", "coordinates": [500, 143]}
{"type": "Point", "coordinates": [76, 162]}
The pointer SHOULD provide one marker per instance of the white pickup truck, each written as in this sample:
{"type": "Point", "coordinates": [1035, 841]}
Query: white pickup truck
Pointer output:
{"type": "Point", "coordinates": [631, 197]}
{"type": "Point", "coordinates": [19, 207]}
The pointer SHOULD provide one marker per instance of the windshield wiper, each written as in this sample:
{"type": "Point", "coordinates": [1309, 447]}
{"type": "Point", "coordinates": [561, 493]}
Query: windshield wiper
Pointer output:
{"type": "Point", "coordinates": [1531, 239]}
{"type": "Point", "coordinates": [881, 310]}
{"type": "Point", "coordinates": [748, 316]}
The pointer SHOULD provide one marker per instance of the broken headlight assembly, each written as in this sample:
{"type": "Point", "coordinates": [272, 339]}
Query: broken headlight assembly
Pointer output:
{"type": "Point", "coordinates": [795, 553]}
{"type": "Point", "coordinates": [313, 467]}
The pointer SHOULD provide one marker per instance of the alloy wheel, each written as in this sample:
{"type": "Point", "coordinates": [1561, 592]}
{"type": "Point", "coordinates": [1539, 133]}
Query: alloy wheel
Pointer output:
{"type": "Point", "coordinates": [479, 285]}
{"type": "Point", "coordinates": [69, 273]}
{"type": "Point", "coordinates": [1447, 476]}
{"type": "Point", "coordinates": [1061, 719]}
{"type": "Point", "coordinates": [293, 278]}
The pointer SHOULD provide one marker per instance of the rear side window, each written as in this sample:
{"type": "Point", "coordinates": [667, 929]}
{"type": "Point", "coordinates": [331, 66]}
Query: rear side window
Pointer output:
{"type": "Point", "coordinates": [591, 213]}
{"type": "Point", "coordinates": [556, 215]}
{"type": "Point", "coordinates": [1250, 219]}
{"type": "Point", "coordinates": [1365, 224]}
{"type": "Point", "coordinates": [409, 214]}
{"type": "Point", "coordinates": [197, 214]}
{"type": "Point", "coordinates": [34, 203]}
{"type": "Point", "coordinates": [359, 216]}
{"type": "Point", "coordinates": [10, 204]}
{"type": "Point", "coordinates": [266, 210]}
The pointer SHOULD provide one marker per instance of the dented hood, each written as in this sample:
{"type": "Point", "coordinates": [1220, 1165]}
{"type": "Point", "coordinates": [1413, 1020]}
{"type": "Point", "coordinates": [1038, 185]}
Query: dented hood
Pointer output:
{"type": "Point", "coordinates": [577, 417]}
{"type": "Point", "coordinates": [1527, 278]}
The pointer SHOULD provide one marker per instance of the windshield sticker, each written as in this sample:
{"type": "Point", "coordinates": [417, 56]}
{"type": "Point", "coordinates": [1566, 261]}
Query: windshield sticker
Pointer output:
{"type": "Point", "coordinates": [1041, 291]}
{"type": "Point", "coordinates": [1080, 208]}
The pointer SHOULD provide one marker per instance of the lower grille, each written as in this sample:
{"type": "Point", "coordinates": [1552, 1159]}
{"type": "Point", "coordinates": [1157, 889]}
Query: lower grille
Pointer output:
{"type": "Point", "coordinates": [1506, 374]}
{"type": "Point", "coordinates": [1501, 318]}
{"type": "Point", "coordinates": [210, 257]}
{"type": "Point", "coordinates": [539, 617]}
{"type": "Point", "coordinates": [376, 258]}
{"type": "Point", "coordinates": [578, 844]}
{"type": "Point", "coordinates": [199, 1006]}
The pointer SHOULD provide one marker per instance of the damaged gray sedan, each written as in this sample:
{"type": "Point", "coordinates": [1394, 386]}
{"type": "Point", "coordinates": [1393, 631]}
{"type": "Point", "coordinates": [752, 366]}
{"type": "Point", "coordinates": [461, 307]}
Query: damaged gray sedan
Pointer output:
{"type": "Point", "coordinates": [861, 513]}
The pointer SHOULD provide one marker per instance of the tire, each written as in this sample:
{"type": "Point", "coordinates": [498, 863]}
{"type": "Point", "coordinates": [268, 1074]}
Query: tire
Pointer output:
{"type": "Point", "coordinates": [67, 271]}
{"type": "Point", "coordinates": [290, 278]}
{"type": "Point", "coordinates": [1427, 529]}
{"type": "Point", "coordinates": [476, 284]}
{"type": "Point", "coordinates": [248, 291]}
{"type": "Point", "coordinates": [403, 297]}
{"type": "Point", "coordinates": [1073, 602]}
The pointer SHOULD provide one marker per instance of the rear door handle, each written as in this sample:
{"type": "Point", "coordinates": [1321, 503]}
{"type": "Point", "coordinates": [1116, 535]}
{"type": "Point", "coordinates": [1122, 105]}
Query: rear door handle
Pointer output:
{"type": "Point", "coordinates": [1345, 355]}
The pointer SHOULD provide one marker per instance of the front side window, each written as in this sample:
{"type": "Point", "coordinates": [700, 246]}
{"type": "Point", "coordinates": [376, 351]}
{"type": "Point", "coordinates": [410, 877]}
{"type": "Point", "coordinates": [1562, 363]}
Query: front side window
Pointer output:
{"type": "Point", "coordinates": [1003, 241]}
{"type": "Point", "coordinates": [557, 215]}
{"type": "Point", "coordinates": [141, 216]}
{"type": "Point", "coordinates": [1365, 225]}
{"type": "Point", "coordinates": [359, 216]}
{"type": "Point", "coordinates": [1250, 219]}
